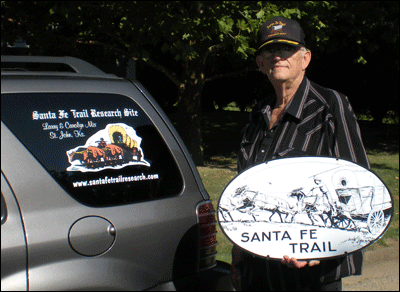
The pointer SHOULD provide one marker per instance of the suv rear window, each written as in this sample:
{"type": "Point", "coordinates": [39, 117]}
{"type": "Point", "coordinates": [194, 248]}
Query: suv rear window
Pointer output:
{"type": "Point", "coordinates": [102, 148]}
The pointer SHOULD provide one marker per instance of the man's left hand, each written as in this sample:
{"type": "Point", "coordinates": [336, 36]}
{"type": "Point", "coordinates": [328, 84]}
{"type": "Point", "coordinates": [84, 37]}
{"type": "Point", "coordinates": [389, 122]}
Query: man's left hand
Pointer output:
{"type": "Point", "coordinates": [293, 263]}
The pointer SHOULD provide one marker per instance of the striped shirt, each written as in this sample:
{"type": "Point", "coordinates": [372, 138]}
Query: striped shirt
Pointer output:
{"type": "Point", "coordinates": [316, 122]}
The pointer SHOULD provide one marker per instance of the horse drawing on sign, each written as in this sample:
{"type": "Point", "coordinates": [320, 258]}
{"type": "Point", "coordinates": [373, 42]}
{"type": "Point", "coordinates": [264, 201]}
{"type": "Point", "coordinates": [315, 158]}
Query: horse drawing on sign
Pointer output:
{"type": "Point", "coordinates": [238, 202]}
{"type": "Point", "coordinates": [251, 202]}
{"type": "Point", "coordinates": [276, 205]}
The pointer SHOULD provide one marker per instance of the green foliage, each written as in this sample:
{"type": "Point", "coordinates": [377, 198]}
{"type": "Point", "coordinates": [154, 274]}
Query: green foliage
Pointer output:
{"type": "Point", "coordinates": [185, 39]}
{"type": "Point", "coordinates": [192, 30]}
{"type": "Point", "coordinates": [186, 30]}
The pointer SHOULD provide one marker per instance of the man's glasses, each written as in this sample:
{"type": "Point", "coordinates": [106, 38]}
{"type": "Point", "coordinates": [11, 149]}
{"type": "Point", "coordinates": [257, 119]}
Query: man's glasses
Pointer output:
{"type": "Point", "coordinates": [281, 51]}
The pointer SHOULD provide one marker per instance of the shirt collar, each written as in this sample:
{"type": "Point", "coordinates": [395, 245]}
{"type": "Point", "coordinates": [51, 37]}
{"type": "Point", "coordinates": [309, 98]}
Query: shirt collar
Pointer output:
{"type": "Point", "coordinates": [296, 105]}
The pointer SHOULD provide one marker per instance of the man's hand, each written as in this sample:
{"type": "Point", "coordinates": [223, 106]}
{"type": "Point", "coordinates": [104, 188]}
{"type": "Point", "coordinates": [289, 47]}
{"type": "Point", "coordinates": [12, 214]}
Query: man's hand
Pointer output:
{"type": "Point", "coordinates": [293, 263]}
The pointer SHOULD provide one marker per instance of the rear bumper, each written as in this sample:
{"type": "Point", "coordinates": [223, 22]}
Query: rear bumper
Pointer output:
{"type": "Point", "coordinates": [216, 279]}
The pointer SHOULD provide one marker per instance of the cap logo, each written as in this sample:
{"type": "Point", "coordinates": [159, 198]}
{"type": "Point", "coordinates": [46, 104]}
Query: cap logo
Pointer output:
{"type": "Point", "coordinates": [277, 27]}
{"type": "Point", "coordinates": [276, 24]}
{"type": "Point", "coordinates": [276, 30]}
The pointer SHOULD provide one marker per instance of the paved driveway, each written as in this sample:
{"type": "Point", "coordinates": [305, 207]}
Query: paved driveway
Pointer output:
{"type": "Point", "coordinates": [380, 271]}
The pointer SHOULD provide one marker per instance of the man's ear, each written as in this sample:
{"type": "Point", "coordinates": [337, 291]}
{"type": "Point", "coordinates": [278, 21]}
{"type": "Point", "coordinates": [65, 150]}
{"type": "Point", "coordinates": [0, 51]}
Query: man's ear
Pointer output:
{"type": "Point", "coordinates": [306, 59]}
{"type": "Point", "coordinates": [259, 60]}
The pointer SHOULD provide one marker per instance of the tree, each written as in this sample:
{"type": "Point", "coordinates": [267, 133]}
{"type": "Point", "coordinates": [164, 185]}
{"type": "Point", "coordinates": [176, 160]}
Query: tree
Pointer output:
{"type": "Point", "coordinates": [355, 48]}
{"type": "Point", "coordinates": [188, 31]}
{"type": "Point", "coordinates": [182, 39]}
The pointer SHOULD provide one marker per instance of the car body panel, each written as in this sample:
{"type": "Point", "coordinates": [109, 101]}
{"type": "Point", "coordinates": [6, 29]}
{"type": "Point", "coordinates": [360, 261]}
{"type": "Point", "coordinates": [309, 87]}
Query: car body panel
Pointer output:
{"type": "Point", "coordinates": [60, 243]}
{"type": "Point", "coordinates": [57, 212]}
{"type": "Point", "coordinates": [13, 246]}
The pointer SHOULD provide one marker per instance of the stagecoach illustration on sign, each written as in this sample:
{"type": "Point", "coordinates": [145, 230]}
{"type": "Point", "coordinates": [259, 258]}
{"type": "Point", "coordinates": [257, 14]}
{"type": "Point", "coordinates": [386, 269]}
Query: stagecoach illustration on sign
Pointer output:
{"type": "Point", "coordinates": [116, 146]}
{"type": "Point", "coordinates": [346, 199]}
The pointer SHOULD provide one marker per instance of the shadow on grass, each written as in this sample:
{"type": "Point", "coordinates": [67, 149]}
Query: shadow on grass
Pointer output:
{"type": "Point", "coordinates": [382, 166]}
{"type": "Point", "coordinates": [380, 137]}
{"type": "Point", "coordinates": [221, 137]}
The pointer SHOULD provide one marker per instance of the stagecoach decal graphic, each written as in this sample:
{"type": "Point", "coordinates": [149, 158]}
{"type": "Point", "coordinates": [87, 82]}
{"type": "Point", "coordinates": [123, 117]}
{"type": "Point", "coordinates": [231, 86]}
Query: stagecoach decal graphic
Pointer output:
{"type": "Point", "coordinates": [344, 203]}
{"type": "Point", "coordinates": [114, 147]}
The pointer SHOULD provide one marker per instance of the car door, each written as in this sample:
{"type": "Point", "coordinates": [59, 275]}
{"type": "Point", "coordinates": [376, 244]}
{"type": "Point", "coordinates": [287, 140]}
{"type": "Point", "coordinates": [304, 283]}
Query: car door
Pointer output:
{"type": "Point", "coordinates": [13, 246]}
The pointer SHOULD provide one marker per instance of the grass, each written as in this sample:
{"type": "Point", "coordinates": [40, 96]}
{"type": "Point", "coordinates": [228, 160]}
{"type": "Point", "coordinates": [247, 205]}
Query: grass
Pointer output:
{"type": "Point", "coordinates": [215, 179]}
{"type": "Point", "coordinates": [386, 166]}
{"type": "Point", "coordinates": [221, 134]}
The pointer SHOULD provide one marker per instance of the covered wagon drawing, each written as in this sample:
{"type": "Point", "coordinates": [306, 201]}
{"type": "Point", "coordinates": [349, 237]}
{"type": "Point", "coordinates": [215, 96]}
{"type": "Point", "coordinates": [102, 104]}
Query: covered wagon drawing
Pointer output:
{"type": "Point", "coordinates": [116, 146]}
{"type": "Point", "coordinates": [364, 197]}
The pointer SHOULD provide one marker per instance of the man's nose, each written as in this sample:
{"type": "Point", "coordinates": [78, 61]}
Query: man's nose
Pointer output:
{"type": "Point", "coordinates": [277, 55]}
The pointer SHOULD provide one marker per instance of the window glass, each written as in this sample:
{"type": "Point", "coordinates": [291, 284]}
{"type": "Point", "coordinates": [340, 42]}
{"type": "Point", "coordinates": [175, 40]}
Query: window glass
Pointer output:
{"type": "Point", "coordinates": [103, 149]}
{"type": "Point", "coordinates": [36, 66]}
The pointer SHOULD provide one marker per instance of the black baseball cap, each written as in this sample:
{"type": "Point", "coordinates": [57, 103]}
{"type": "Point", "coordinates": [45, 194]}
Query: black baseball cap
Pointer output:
{"type": "Point", "coordinates": [281, 30]}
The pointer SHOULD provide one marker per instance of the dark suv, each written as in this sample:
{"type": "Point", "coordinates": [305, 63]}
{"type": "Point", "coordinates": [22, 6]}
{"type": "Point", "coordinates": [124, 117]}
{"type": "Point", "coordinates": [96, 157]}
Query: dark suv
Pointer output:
{"type": "Point", "coordinates": [97, 189]}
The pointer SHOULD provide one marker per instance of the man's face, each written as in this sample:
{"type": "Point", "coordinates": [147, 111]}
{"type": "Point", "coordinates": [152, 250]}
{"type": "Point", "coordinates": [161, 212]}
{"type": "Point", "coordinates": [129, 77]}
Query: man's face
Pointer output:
{"type": "Point", "coordinates": [283, 63]}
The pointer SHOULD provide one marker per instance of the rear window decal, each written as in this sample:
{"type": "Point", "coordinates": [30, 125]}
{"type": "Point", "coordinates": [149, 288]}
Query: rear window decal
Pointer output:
{"type": "Point", "coordinates": [114, 147]}
{"type": "Point", "coordinates": [114, 180]}
{"type": "Point", "coordinates": [103, 149]}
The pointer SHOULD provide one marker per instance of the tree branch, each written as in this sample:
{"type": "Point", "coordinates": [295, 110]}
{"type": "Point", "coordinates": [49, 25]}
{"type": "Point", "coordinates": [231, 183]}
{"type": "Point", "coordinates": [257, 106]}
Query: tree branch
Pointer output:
{"type": "Point", "coordinates": [211, 50]}
{"type": "Point", "coordinates": [232, 74]}
{"type": "Point", "coordinates": [171, 75]}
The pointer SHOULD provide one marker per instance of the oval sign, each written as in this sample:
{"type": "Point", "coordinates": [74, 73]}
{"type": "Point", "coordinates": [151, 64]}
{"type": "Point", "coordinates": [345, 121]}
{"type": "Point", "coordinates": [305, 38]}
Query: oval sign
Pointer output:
{"type": "Point", "coordinates": [305, 207]}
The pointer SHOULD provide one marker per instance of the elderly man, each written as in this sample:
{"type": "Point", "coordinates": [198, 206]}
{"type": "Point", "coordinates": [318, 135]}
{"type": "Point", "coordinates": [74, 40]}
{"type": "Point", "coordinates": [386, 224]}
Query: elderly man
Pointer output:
{"type": "Point", "coordinates": [300, 119]}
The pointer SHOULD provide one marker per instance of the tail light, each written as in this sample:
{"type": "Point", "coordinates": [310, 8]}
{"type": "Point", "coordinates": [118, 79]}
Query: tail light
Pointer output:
{"type": "Point", "coordinates": [208, 235]}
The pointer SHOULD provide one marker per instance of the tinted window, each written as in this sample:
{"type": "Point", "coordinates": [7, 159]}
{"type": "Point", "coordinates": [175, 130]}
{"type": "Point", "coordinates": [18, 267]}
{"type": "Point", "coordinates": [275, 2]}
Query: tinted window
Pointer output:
{"type": "Point", "coordinates": [36, 66]}
{"type": "Point", "coordinates": [103, 149]}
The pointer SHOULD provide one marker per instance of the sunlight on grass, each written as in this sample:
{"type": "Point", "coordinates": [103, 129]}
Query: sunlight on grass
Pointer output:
{"type": "Point", "coordinates": [215, 180]}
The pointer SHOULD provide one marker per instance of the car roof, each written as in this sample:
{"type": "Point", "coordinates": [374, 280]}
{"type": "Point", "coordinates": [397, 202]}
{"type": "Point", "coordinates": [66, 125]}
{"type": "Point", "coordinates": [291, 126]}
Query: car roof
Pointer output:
{"type": "Point", "coordinates": [50, 66]}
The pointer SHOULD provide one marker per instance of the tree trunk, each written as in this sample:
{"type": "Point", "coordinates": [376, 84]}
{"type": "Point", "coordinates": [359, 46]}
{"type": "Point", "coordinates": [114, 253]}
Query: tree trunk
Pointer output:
{"type": "Point", "coordinates": [189, 113]}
